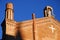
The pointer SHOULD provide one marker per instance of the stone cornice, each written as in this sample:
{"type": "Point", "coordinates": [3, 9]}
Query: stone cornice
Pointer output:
{"type": "Point", "coordinates": [38, 21]}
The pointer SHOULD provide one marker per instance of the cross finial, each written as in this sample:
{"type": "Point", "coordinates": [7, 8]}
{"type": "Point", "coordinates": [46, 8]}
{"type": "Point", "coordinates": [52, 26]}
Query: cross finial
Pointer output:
{"type": "Point", "coordinates": [52, 28]}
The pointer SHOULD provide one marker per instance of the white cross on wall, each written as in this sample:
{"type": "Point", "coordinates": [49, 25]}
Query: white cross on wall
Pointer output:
{"type": "Point", "coordinates": [51, 27]}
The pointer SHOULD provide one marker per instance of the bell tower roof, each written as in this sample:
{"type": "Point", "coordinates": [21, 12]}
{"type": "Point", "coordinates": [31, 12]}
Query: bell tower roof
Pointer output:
{"type": "Point", "coordinates": [9, 5]}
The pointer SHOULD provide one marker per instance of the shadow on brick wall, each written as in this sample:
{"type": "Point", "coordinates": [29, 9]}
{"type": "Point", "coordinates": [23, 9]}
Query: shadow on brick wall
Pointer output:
{"type": "Point", "coordinates": [9, 37]}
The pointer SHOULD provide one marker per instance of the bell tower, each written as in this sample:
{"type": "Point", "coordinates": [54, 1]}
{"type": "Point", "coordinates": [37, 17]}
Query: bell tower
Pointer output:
{"type": "Point", "coordinates": [48, 11]}
{"type": "Point", "coordinates": [9, 11]}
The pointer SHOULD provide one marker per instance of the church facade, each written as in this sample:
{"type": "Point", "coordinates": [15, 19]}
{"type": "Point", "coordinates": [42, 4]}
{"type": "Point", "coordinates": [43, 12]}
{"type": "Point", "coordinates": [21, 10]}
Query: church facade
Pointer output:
{"type": "Point", "coordinates": [46, 28]}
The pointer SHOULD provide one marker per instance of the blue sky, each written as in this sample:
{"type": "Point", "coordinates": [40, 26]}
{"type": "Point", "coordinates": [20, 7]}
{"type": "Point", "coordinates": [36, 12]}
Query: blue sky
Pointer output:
{"type": "Point", "coordinates": [23, 9]}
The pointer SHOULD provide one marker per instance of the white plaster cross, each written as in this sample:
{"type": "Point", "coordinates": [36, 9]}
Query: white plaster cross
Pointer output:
{"type": "Point", "coordinates": [52, 28]}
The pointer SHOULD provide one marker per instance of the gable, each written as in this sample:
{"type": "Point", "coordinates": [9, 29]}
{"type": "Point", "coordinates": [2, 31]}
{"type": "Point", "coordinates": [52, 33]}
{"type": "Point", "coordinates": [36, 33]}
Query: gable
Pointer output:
{"type": "Point", "coordinates": [44, 29]}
